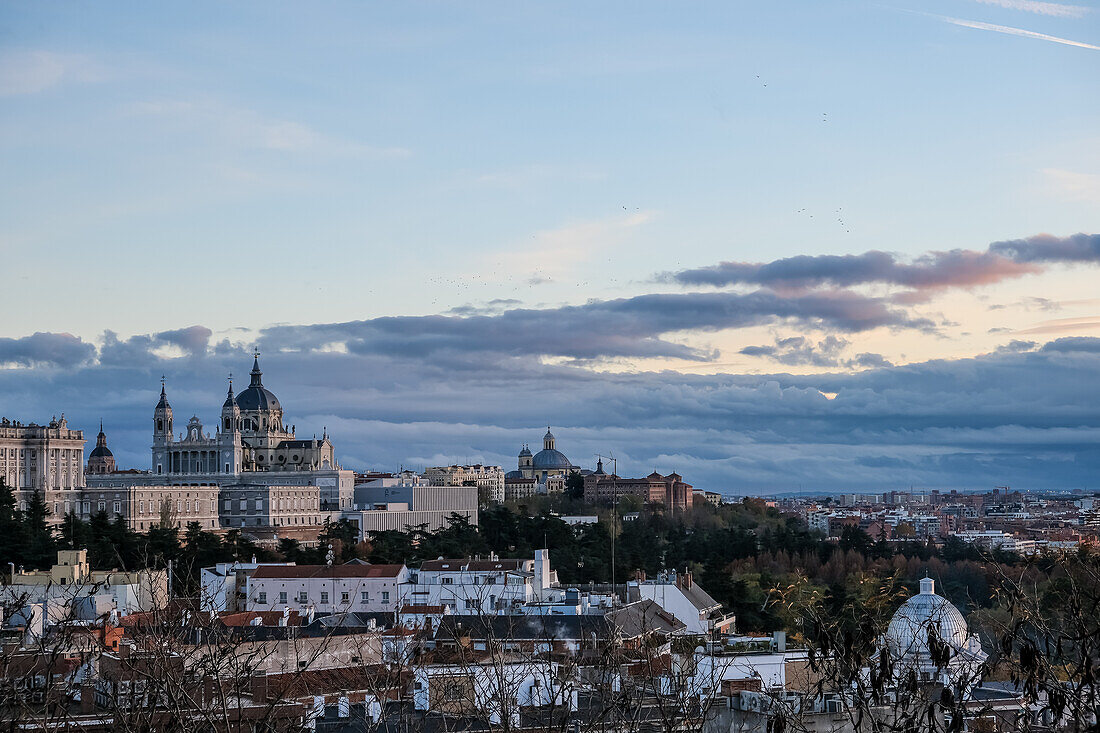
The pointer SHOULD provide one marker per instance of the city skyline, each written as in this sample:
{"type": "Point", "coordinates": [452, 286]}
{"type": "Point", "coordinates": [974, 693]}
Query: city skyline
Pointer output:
{"type": "Point", "coordinates": [829, 246]}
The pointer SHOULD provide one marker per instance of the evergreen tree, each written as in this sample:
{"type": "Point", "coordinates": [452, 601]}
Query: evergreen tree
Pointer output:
{"type": "Point", "coordinates": [13, 540]}
{"type": "Point", "coordinates": [41, 547]}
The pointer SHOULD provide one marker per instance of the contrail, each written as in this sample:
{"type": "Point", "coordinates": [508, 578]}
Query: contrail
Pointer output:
{"type": "Point", "coordinates": [1016, 32]}
{"type": "Point", "coordinates": [1042, 8]}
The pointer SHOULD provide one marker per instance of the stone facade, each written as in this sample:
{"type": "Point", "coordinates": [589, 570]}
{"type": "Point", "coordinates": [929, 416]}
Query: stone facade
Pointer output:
{"type": "Point", "coordinates": [489, 478]}
{"type": "Point", "coordinates": [669, 490]}
{"type": "Point", "coordinates": [144, 506]}
{"type": "Point", "coordinates": [49, 458]}
{"type": "Point", "coordinates": [264, 475]}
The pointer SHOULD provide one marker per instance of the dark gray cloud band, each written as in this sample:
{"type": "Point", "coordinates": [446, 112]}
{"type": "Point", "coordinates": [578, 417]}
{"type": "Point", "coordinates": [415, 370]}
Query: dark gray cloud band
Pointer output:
{"type": "Point", "coordinates": [936, 270]}
{"type": "Point", "coordinates": [1024, 418]}
{"type": "Point", "coordinates": [628, 327]}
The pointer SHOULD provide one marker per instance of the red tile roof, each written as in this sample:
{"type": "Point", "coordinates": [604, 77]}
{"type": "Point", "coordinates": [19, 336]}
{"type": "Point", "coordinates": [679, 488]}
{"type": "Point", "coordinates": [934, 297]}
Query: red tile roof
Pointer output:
{"type": "Point", "coordinates": [268, 618]}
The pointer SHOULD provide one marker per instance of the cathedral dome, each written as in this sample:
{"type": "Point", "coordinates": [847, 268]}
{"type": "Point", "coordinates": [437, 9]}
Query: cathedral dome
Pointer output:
{"type": "Point", "coordinates": [550, 459]}
{"type": "Point", "coordinates": [256, 397]}
{"type": "Point", "coordinates": [907, 634]}
{"type": "Point", "coordinates": [101, 451]}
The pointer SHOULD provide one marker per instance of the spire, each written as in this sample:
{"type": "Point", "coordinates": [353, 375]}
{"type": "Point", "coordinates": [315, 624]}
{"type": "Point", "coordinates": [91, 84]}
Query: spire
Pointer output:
{"type": "Point", "coordinates": [256, 373]}
{"type": "Point", "coordinates": [229, 401]}
{"type": "Point", "coordinates": [163, 397]}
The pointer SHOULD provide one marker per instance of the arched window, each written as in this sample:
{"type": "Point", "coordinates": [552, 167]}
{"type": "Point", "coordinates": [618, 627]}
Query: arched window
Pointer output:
{"type": "Point", "coordinates": [160, 425]}
{"type": "Point", "coordinates": [227, 423]}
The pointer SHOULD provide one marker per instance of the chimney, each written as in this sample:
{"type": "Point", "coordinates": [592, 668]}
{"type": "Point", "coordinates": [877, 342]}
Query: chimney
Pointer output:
{"type": "Point", "coordinates": [87, 698]}
{"type": "Point", "coordinates": [259, 686]}
{"type": "Point", "coordinates": [209, 685]}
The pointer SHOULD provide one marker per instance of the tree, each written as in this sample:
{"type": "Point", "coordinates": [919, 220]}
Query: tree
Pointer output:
{"type": "Point", "coordinates": [12, 529]}
{"type": "Point", "coordinates": [574, 485]}
{"type": "Point", "coordinates": [41, 547]}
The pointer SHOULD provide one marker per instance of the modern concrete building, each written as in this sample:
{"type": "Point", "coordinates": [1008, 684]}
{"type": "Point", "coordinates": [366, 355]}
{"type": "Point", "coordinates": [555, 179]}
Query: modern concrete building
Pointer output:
{"type": "Point", "coordinates": [382, 507]}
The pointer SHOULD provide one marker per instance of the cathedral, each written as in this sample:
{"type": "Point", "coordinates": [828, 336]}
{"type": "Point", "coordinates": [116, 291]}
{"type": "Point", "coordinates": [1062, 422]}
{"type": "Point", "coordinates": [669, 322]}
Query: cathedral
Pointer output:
{"type": "Point", "coordinates": [547, 463]}
{"type": "Point", "coordinates": [250, 436]}
{"type": "Point", "coordinates": [251, 470]}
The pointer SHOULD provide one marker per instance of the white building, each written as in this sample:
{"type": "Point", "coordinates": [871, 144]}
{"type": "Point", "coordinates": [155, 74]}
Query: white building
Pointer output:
{"type": "Point", "coordinates": [222, 587]}
{"type": "Point", "coordinates": [72, 591]}
{"type": "Point", "coordinates": [493, 687]}
{"type": "Point", "coordinates": [489, 478]}
{"type": "Point", "coordinates": [325, 589]}
{"type": "Point", "coordinates": [471, 585]}
{"type": "Point", "coordinates": [397, 507]}
{"type": "Point", "coordinates": [679, 595]}
{"type": "Point", "coordinates": [47, 458]}
{"type": "Point", "coordinates": [909, 630]}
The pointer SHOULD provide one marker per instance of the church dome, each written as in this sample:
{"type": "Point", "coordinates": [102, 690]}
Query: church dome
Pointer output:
{"type": "Point", "coordinates": [256, 397]}
{"type": "Point", "coordinates": [551, 459]}
{"type": "Point", "coordinates": [907, 634]}
{"type": "Point", "coordinates": [101, 451]}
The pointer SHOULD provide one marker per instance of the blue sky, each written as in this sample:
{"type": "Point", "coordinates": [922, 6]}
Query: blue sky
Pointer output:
{"type": "Point", "coordinates": [419, 203]}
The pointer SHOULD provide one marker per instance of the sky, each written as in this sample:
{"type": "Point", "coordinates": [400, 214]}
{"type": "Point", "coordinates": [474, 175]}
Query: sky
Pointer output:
{"type": "Point", "coordinates": [772, 246]}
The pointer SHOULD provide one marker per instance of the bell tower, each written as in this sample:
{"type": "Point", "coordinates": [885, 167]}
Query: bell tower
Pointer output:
{"type": "Point", "coordinates": [230, 448]}
{"type": "Point", "coordinates": [162, 432]}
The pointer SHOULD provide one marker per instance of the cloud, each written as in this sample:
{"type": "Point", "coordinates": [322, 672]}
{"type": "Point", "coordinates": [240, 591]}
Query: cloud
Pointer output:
{"type": "Point", "coordinates": [45, 350]}
{"type": "Point", "coordinates": [1070, 344]}
{"type": "Point", "coordinates": [928, 273]}
{"type": "Point", "coordinates": [554, 253]}
{"type": "Point", "coordinates": [193, 339]}
{"type": "Point", "coordinates": [1016, 345]}
{"type": "Point", "coordinates": [1057, 10]}
{"type": "Point", "coordinates": [1009, 30]}
{"type": "Point", "coordinates": [1047, 248]}
{"type": "Point", "coordinates": [1073, 186]}
{"type": "Point", "coordinates": [31, 72]}
{"type": "Point", "coordinates": [800, 351]}
{"type": "Point", "coordinates": [626, 327]}
{"type": "Point", "coordinates": [248, 128]}
{"type": "Point", "coordinates": [1024, 418]}
{"type": "Point", "coordinates": [957, 268]}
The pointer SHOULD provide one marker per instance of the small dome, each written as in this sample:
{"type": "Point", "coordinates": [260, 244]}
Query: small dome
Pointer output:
{"type": "Point", "coordinates": [101, 451]}
{"type": "Point", "coordinates": [907, 634]}
{"type": "Point", "coordinates": [524, 452]}
{"type": "Point", "coordinates": [551, 459]}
